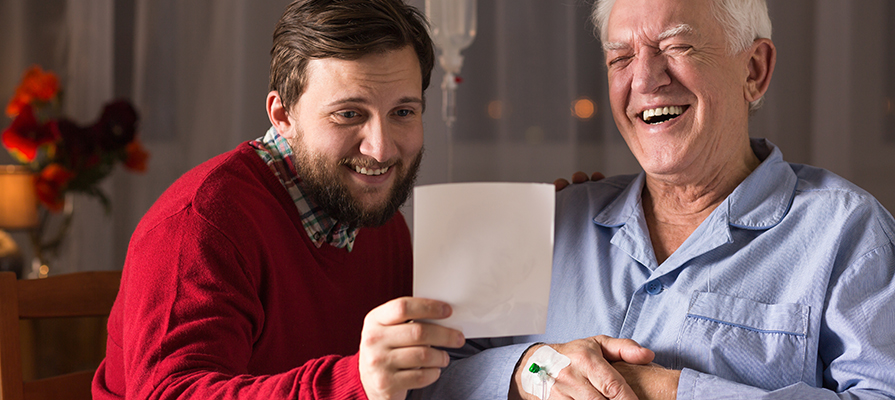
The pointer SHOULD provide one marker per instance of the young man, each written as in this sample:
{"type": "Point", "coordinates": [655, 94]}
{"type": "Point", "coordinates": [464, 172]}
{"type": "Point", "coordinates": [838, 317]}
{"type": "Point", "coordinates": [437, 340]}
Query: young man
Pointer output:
{"type": "Point", "coordinates": [255, 274]}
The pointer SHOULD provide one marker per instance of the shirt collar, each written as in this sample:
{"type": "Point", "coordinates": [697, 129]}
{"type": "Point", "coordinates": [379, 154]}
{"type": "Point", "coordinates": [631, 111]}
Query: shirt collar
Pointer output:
{"type": "Point", "coordinates": [759, 202]}
{"type": "Point", "coordinates": [765, 197]}
{"type": "Point", "coordinates": [320, 227]}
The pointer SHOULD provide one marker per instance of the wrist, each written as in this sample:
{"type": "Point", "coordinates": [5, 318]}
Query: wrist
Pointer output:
{"type": "Point", "coordinates": [526, 355]}
{"type": "Point", "coordinates": [516, 391]}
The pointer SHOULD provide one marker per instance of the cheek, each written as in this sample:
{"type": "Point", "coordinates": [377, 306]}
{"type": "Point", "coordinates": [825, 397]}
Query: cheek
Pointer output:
{"type": "Point", "coordinates": [331, 145]}
{"type": "Point", "coordinates": [410, 139]}
{"type": "Point", "coordinates": [619, 89]}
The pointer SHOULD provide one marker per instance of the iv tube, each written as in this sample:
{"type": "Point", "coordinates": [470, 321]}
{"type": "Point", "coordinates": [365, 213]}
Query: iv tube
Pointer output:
{"type": "Point", "coordinates": [453, 28]}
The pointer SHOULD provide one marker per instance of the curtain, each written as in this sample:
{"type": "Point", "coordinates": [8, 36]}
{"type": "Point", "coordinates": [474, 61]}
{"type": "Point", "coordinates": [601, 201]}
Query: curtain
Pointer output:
{"type": "Point", "coordinates": [197, 72]}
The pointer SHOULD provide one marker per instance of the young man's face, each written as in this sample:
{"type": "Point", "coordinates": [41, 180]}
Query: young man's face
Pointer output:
{"type": "Point", "coordinates": [357, 134]}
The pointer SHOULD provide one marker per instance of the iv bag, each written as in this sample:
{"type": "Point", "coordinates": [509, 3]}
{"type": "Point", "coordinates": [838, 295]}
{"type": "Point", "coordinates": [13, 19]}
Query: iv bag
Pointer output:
{"type": "Point", "coordinates": [453, 28]}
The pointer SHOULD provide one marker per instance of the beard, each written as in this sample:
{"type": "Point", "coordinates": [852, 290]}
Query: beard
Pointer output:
{"type": "Point", "coordinates": [321, 182]}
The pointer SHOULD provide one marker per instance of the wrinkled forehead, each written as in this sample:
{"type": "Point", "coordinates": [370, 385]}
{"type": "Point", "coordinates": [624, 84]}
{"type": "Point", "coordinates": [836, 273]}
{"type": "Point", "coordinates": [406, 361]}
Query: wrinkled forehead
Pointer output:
{"type": "Point", "coordinates": [653, 21]}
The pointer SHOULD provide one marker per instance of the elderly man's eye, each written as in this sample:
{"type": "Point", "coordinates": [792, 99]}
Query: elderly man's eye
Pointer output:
{"type": "Point", "coordinates": [677, 49]}
{"type": "Point", "coordinates": [618, 60]}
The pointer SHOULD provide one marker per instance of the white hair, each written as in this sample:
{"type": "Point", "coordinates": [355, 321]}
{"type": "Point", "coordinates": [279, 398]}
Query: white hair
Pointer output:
{"type": "Point", "coordinates": [743, 22]}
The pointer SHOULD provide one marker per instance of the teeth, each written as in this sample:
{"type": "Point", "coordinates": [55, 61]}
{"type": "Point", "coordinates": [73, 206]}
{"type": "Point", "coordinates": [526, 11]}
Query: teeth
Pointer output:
{"type": "Point", "coordinates": [660, 111]}
{"type": "Point", "coordinates": [370, 172]}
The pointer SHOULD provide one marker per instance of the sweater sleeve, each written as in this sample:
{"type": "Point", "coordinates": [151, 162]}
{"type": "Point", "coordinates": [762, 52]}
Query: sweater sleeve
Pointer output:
{"type": "Point", "coordinates": [191, 316]}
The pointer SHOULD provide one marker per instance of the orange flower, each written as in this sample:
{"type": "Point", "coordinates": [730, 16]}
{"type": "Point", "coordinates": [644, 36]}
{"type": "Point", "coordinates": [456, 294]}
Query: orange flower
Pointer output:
{"type": "Point", "coordinates": [137, 156]}
{"type": "Point", "coordinates": [50, 185]}
{"type": "Point", "coordinates": [26, 136]}
{"type": "Point", "coordinates": [36, 85]}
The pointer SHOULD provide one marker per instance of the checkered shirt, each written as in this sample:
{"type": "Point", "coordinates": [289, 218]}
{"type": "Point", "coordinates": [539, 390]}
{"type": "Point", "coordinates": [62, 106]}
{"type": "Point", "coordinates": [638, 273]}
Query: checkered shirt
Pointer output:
{"type": "Point", "coordinates": [320, 227]}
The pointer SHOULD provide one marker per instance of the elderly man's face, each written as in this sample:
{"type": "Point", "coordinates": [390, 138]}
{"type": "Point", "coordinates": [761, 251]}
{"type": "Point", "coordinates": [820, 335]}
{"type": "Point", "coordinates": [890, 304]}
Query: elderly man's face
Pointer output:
{"type": "Point", "coordinates": [677, 94]}
{"type": "Point", "coordinates": [357, 134]}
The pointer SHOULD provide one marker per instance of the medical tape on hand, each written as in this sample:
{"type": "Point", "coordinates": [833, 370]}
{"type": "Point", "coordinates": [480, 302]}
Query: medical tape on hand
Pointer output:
{"type": "Point", "coordinates": [538, 379]}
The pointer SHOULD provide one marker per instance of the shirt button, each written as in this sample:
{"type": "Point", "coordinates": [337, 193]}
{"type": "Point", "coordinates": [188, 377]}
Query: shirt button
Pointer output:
{"type": "Point", "coordinates": [317, 235]}
{"type": "Point", "coordinates": [654, 287]}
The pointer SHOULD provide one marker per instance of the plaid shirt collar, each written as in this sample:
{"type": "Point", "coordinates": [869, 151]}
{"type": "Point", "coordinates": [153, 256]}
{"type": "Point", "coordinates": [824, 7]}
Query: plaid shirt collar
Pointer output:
{"type": "Point", "coordinates": [320, 227]}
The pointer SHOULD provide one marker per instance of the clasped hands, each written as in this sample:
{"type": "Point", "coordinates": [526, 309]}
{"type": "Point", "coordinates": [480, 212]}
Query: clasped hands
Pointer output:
{"type": "Point", "coordinates": [603, 368]}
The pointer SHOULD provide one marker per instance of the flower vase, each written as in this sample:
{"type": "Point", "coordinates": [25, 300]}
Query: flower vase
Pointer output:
{"type": "Point", "coordinates": [47, 237]}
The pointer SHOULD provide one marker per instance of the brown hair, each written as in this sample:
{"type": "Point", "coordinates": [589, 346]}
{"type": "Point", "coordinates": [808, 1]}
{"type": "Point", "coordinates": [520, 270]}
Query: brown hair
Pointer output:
{"type": "Point", "coordinates": [343, 29]}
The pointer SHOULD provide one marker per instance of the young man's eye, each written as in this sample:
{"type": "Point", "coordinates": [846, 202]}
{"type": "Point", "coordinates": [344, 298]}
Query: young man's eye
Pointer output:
{"type": "Point", "coordinates": [348, 114]}
{"type": "Point", "coordinates": [404, 113]}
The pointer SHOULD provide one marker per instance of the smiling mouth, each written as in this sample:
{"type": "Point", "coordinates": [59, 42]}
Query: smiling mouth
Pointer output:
{"type": "Point", "coordinates": [369, 172]}
{"type": "Point", "coordinates": [655, 116]}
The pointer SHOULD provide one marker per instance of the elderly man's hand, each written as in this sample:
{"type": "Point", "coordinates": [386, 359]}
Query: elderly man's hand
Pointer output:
{"type": "Point", "coordinates": [590, 375]}
{"type": "Point", "coordinates": [396, 353]}
{"type": "Point", "coordinates": [577, 177]}
{"type": "Point", "coordinates": [650, 382]}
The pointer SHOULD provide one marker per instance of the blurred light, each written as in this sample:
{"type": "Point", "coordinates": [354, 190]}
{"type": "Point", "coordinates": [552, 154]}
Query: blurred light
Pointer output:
{"type": "Point", "coordinates": [18, 199]}
{"type": "Point", "coordinates": [495, 109]}
{"type": "Point", "coordinates": [890, 106]}
{"type": "Point", "coordinates": [583, 108]}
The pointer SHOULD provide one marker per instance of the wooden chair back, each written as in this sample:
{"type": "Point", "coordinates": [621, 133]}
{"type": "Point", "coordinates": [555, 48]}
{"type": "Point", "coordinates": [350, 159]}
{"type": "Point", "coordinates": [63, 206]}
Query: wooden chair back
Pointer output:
{"type": "Point", "coordinates": [80, 294]}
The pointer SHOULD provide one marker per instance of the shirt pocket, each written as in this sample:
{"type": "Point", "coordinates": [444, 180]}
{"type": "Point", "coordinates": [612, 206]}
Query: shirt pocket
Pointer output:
{"type": "Point", "coordinates": [742, 340]}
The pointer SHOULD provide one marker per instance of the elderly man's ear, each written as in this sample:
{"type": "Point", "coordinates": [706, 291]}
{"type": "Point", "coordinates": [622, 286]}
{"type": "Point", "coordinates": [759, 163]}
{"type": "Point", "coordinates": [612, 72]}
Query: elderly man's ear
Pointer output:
{"type": "Point", "coordinates": [762, 58]}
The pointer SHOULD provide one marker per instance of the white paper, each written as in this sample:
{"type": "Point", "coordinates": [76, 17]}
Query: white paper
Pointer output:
{"type": "Point", "coordinates": [487, 250]}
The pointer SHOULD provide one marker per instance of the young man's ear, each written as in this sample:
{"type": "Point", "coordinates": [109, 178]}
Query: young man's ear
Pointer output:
{"type": "Point", "coordinates": [278, 115]}
{"type": "Point", "coordinates": [762, 59]}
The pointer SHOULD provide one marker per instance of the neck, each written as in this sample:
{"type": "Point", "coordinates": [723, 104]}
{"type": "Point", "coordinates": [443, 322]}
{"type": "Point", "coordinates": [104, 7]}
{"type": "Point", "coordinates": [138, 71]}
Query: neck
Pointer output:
{"type": "Point", "coordinates": [674, 206]}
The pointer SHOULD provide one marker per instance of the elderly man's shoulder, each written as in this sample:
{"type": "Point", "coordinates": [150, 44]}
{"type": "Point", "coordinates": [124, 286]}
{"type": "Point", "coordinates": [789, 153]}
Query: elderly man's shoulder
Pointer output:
{"type": "Point", "coordinates": [835, 194]}
{"type": "Point", "coordinates": [822, 181]}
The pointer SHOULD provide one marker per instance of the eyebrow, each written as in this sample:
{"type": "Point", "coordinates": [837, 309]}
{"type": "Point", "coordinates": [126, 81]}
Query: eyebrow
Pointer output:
{"type": "Point", "coordinates": [405, 100]}
{"type": "Point", "coordinates": [675, 31]}
{"type": "Point", "coordinates": [668, 33]}
{"type": "Point", "coordinates": [610, 46]}
{"type": "Point", "coordinates": [362, 100]}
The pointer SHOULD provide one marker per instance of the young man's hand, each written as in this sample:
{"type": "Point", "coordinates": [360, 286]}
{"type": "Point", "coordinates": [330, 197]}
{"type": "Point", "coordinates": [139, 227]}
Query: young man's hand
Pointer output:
{"type": "Point", "coordinates": [396, 351]}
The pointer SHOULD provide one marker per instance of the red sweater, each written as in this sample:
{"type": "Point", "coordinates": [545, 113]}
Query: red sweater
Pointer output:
{"type": "Point", "coordinates": [224, 296]}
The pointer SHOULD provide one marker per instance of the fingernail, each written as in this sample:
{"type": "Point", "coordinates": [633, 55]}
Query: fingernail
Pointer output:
{"type": "Point", "coordinates": [446, 310]}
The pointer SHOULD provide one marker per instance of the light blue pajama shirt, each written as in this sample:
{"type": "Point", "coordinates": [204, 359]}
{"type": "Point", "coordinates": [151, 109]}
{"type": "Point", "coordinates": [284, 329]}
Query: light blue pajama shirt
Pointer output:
{"type": "Point", "coordinates": [785, 291]}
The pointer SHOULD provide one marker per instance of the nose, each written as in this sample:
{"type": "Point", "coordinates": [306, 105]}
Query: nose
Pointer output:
{"type": "Point", "coordinates": [650, 72]}
{"type": "Point", "coordinates": [378, 140]}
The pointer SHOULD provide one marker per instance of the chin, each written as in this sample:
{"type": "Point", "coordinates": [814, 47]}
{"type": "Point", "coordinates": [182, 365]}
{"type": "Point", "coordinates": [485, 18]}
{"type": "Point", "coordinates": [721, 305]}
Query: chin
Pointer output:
{"type": "Point", "coordinates": [372, 197]}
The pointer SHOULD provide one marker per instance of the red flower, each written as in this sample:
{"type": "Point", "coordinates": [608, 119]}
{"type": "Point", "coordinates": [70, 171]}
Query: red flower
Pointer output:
{"type": "Point", "coordinates": [116, 126]}
{"type": "Point", "coordinates": [36, 85]}
{"type": "Point", "coordinates": [25, 136]}
{"type": "Point", "coordinates": [136, 156]}
{"type": "Point", "coordinates": [50, 185]}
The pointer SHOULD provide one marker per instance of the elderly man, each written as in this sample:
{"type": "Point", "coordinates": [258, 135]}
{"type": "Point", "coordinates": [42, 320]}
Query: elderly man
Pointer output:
{"type": "Point", "coordinates": [748, 277]}
{"type": "Point", "coordinates": [254, 275]}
